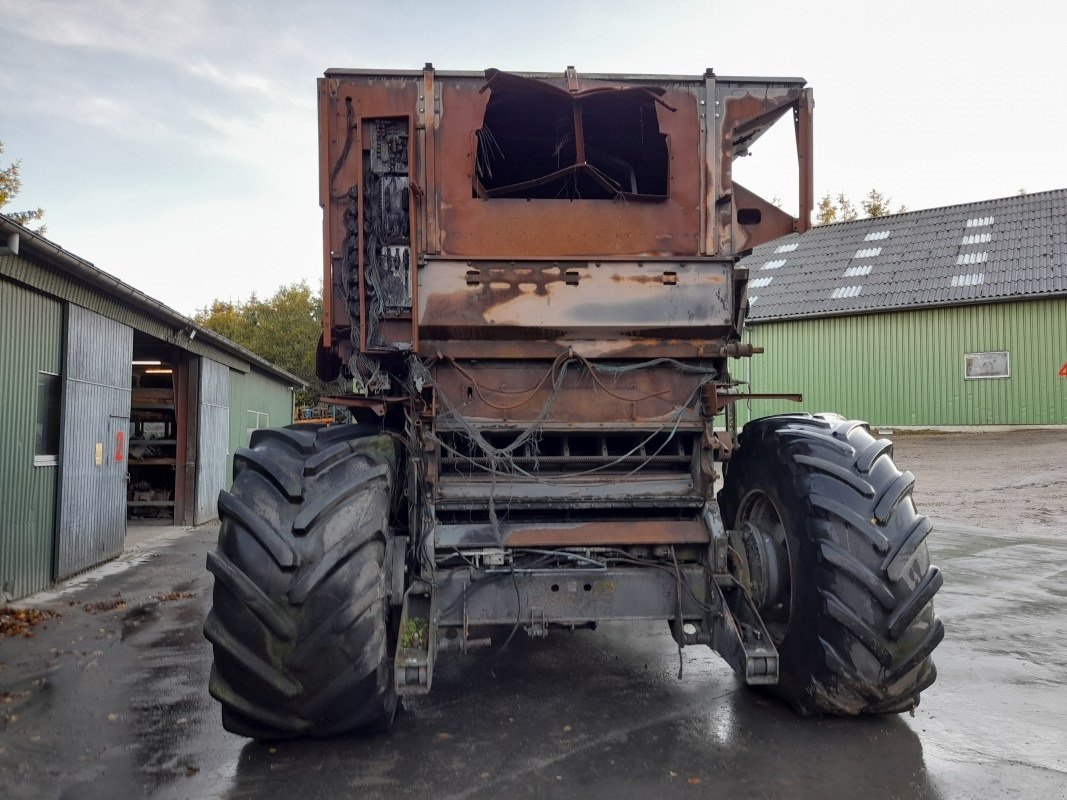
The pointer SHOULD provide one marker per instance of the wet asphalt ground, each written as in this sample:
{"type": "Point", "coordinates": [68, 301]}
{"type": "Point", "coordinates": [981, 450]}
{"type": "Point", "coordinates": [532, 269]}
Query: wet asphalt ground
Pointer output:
{"type": "Point", "coordinates": [112, 702]}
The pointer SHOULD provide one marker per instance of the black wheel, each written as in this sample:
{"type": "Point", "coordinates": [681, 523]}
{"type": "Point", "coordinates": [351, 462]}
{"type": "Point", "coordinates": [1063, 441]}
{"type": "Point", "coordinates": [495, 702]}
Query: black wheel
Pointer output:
{"type": "Point", "coordinates": [826, 538]}
{"type": "Point", "coordinates": [301, 625]}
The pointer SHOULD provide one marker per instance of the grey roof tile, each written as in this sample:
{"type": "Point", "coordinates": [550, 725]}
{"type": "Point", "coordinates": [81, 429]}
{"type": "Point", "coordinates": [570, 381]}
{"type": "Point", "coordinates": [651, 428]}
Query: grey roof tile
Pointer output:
{"type": "Point", "coordinates": [1017, 244]}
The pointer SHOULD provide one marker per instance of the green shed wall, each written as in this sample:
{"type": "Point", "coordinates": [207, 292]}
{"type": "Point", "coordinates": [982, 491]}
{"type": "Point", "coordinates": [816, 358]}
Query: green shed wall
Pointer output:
{"type": "Point", "coordinates": [36, 273]}
{"type": "Point", "coordinates": [255, 391]}
{"type": "Point", "coordinates": [906, 368]}
{"type": "Point", "coordinates": [31, 340]}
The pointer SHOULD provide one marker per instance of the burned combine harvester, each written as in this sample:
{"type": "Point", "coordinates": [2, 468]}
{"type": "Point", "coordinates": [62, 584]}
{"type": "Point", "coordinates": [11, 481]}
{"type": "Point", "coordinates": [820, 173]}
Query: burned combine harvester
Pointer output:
{"type": "Point", "coordinates": [531, 305]}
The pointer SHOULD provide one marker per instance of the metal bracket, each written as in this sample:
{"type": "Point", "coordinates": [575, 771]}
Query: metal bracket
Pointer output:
{"type": "Point", "coordinates": [718, 542]}
{"type": "Point", "coordinates": [538, 627]}
{"type": "Point", "coordinates": [739, 636]}
{"type": "Point", "coordinates": [397, 559]}
{"type": "Point", "coordinates": [416, 647]}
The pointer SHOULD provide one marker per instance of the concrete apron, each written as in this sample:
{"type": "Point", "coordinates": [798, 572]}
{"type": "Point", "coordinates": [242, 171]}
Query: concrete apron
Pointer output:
{"type": "Point", "coordinates": [139, 543]}
{"type": "Point", "coordinates": [113, 702]}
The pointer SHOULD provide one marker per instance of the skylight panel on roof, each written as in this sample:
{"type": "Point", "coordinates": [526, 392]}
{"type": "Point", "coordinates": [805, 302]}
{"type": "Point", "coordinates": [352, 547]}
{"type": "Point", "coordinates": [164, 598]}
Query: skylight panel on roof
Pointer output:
{"type": "Point", "coordinates": [868, 252]}
{"type": "Point", "coordinates": [874, 236]}
{"type": "Point", "coordinates": [787, 248]}
{"type": "Point", "coordinates": [972, 258]}
{"type": "Point", "coordinates": [979, 222]}
{"type": "Point", "coordinates": [845, 291]}
{"type": "Point", "coordinates": [977, 238]}
{"type": "Point", "coordinates": [774, 264]}
{"type": "Point", "coordinates": [976, 279]}
{"type": "Point", "coordinates": [752, 301]}
{"type": "Point", "coordinates": [760, 282]}
{"type": "Point", "coordinates": [855, 272]}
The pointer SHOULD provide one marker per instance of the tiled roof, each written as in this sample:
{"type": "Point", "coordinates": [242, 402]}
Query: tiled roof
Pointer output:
{"type": "Point", "coordinates": [972, 253]}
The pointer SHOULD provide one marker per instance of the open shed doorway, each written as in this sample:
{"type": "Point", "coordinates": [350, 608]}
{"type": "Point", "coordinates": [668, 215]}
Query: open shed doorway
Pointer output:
{"type": "Point", "coordinates": [162, 448]}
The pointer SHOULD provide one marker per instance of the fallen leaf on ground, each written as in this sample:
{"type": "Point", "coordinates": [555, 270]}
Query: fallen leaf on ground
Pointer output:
{"type": "Point", "coordinates": [18, 621]}
{"type": "Point", "coordinates": [115, 604]}
{"type": "Point", "coordinates": [166, 598]}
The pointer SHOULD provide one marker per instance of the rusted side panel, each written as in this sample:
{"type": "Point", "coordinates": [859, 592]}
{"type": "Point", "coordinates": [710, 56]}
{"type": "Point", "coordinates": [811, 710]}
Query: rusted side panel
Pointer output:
{"type": "Point", "coordinates": [328, 313]}
{"type": "Point", "coordinates": [629, 348]}
{"type": "Point", "coordinates": [344, 104]}
{"type": "Point", "coordinates": [682, 215]}
{"type": "Point", "coordinates": [580, 300]}
{"type": "Point", "coordinates": [517, 228]}
{"type": "Point", "coordinates": [746, 111]}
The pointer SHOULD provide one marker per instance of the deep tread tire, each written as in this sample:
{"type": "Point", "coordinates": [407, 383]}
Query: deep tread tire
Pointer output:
{"type": "Point", "coordinates": [300, 622]}
{"type": "Point", "coordinates": [861, 625]}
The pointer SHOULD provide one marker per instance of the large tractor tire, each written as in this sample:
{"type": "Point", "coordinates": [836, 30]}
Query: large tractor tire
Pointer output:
{"type": "Point", "coordinates": [301, 621]}
{"type": "Point", "coordinates": [828, 541]}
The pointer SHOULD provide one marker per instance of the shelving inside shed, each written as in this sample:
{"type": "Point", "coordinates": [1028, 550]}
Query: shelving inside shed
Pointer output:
{"type": "Point", "coordinates": [153, 438]}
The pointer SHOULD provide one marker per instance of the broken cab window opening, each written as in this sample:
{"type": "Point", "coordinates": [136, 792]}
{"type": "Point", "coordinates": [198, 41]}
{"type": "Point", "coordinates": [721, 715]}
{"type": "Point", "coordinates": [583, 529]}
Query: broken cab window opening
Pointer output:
{"type": "Point", "coordinates": [539, 143]}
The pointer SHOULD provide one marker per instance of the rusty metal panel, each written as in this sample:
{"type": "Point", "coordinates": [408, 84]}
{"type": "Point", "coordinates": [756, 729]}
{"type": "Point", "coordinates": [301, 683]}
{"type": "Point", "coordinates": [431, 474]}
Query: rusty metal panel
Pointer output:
{"type": "Point", "coordinates": [746, 109]}
{"type": "Point", "coordinates": [462, 206]}
{"type": "Point", "coordinates": [213, 436]}
{"type": "Point", "coordinates": [510, 227]}
{"type": "Point", "coordinates": [96, 410]}
{"type": "Point", "coordinates": [31, 342]}
{"type": "Point", "coordinates": [574, 299]}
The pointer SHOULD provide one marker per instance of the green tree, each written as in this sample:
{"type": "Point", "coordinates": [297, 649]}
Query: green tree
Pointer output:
{"type": "Point", "coordinates": [826, 212]}
{"type": "Point", "coordinates": [10, 186]}
{"type": "Point", "coordinates": [284, 329]}
{"type": "Point", "coordinates": [842, 209]}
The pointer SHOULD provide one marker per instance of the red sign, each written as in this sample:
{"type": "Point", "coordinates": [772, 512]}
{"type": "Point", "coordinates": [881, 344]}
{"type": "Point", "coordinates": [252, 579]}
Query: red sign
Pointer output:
{"type": "Point", "coordinates": [120, 445]}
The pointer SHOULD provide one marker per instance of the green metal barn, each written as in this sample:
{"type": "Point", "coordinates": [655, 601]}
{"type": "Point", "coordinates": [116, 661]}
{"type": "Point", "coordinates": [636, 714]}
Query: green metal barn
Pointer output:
{"type": "Point", "coordinates": [115, 410]}
{"type": "Point", "coordinates": [939, 318]}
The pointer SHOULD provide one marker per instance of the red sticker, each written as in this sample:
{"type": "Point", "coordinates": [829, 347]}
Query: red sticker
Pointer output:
{"type": "Point", "coordinates": [120, 445]}
{"type": "Point", "coordinates": [1063, 371]}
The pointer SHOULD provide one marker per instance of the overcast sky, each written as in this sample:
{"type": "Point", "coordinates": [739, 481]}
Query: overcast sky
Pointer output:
{"type": "Point", "coordinates": [174, 144]}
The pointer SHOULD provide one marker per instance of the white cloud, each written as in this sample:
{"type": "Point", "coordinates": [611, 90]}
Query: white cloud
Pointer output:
{"type": "Point", "coordinates": [154, 29]}
{"type": "Point", "coordinates": [139, 119]}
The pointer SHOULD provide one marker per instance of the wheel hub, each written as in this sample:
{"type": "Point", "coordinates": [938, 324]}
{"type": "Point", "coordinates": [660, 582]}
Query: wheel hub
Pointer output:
{"type": "Point", "coordinates": [762, 554]}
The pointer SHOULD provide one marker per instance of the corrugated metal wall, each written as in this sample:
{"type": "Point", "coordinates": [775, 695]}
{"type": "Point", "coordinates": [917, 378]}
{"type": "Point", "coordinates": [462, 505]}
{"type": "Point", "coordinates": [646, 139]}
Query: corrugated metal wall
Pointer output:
{"type": "Point", "coordinates": [39, 275]}
{"type": "Point", "coordinates": [31, 340]}
{"type": "Point", "coordinates": [256, 400]}
{"type": "Point", "coordinates": [212, 448]}
{"type": "Point", "coordinates": [96, 413]}
{"type": "Point", "coordinates": [906, 368]}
